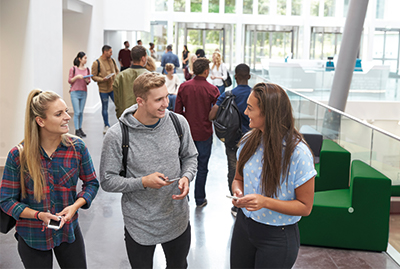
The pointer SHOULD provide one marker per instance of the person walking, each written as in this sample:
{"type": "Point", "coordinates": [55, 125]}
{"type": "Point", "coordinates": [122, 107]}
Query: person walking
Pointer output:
{"type": "Point", "coordinates": [124, 57]}
{"type": "Point", "coordinates": [219, 72]}
{"type": "Point", "coordinates": [39, 185]}
{"type": "Point", "coordinates": [194, 101]}
{"type": "Point", "coordinates": [241, 93]}
{"type": "Point", "coordinates": [169, 57]}
{"type": "Point", "coordinates": [160, 166]}
{"type": "Point", "coordinates": [274, 183]}
{"type": "Point", "coordinates": [185, 58]}
{"type": "Point", "coordinates": [104, 70]}
{"type": "Point", "coordinates": [79, 78]}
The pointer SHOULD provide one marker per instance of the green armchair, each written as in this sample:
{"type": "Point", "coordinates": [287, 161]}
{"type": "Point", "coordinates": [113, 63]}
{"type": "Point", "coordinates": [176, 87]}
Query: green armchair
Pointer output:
{"type": "Point", "coordinates": [353, 218]}
{"type": "Point", "coordinates": [333, 167]}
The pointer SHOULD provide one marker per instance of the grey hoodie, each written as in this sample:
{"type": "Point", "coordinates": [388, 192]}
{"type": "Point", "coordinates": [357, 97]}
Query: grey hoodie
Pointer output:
{"type": "Point", "coordinates": [151, 216]}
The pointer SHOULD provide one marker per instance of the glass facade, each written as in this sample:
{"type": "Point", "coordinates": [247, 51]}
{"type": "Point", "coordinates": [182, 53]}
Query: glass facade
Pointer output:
{"type": "Point", "coordinates": [161, 5]}
{"type": "Point", "coordinates": [263, 7]}
{"type": "Point", "coordinates": [230, 6]}
{"type": "Point", "coordinates": [213, 6]}
{"type": "Point", "coordinates": [195, 5]}
{"type": "Point", "coordinates": [296, 7]}
{"type": "Point", "coordinates": [179, 5]}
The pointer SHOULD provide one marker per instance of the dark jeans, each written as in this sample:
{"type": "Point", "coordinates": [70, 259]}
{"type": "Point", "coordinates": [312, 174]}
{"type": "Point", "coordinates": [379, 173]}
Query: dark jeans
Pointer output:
{"type": "Point", "coordinates": [204, 150]}
{"type": "Point", "coordinates": [221, 88]}
{"type": "Point", "coordinates": [231, 156]}
{"type": "Point", "coordinates": [175, 251]}
{"type": "Point", "coordinates": [172, 99]}
{"type": "Point", "coordinates": [68, 255]}
{"type": "Point", "coordinates": [104, 106]}
{"type": "Point", "coordinates": [257, 245]}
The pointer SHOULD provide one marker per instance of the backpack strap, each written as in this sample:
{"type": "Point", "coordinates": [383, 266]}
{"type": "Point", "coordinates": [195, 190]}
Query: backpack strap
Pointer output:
{"type": "Point", "coordinates": [178, 128]}
{"type": "Point", "coordinates": [73, 73]}
{"type": "Point", "coordinates": [125, 148]}
{"type": "Point", "coordinates": [98, 66]}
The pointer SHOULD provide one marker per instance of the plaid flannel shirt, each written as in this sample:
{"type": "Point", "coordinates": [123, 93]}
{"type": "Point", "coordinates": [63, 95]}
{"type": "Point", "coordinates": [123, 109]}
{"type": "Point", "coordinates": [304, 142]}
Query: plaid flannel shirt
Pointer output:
{"type": "Point", "coordinates": [61, 172]}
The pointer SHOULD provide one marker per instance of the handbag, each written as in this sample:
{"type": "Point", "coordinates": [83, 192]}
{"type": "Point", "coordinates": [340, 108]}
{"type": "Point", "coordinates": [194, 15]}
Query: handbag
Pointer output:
{"type": "Point", "coordinates": [228, 80]}
{"type": "Point", "coordinates": [6, 222]}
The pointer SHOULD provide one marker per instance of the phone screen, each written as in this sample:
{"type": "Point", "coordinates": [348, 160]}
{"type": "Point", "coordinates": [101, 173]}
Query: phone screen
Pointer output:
{"type": "Point", "coordinates": [54, 223]}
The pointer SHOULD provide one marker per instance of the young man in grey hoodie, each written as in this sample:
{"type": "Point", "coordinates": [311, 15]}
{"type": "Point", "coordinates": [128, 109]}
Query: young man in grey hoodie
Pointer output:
{"type": "Point", "coordinates": [155, 210]}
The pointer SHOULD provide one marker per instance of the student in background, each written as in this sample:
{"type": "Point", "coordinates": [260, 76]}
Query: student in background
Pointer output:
{"type": "Point", "coordinates": [172, 82]}
{"type": "Point", "coordinates": [78, 90]}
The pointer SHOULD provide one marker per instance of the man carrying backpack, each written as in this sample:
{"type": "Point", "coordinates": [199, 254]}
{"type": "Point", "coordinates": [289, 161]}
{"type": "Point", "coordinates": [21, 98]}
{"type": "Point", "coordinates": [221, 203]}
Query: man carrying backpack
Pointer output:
{"type": "Point", "coordinates": [241, 93]}
{"type": "Point", "coordinates": [159, 168]}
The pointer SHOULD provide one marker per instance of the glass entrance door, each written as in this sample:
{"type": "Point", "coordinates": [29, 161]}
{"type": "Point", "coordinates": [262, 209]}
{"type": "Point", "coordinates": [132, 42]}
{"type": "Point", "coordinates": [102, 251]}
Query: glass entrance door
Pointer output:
{"type": "Point", "coordinates": [264, 42]}
{"type": "Point", "coordinates": [325, 42]}
{"type": "Point", "coordinates": [207, 36]}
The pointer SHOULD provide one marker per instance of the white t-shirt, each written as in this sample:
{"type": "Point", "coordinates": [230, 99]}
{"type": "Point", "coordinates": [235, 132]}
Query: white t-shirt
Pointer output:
{"type": "Point", "coordinates": [172, 84]}
{"type": "Point", "coordinates": [221, 72]}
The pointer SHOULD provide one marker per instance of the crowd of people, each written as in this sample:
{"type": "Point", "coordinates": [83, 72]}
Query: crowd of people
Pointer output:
{"type": "Point", "coordinates": [270, 171]}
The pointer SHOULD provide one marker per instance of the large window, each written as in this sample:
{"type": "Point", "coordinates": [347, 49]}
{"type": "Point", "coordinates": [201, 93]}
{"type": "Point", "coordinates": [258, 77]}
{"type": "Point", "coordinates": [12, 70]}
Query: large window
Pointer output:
{"type": "Point", "coordinates": [161, 5]}
{"type": "Point", "coordinates": [247, 6]}
{"type": "Point", "coordinates": [213, 6]}
{"type": "Point", "coordinates": [314, 8]}
{"type": "Point", "coordinates": [325, 42]}
{"type": "Point", "coordinates": [195, 5]}
{"type": "Point", "coordinates": [281, 7]}
{"type": "Point", "coordinates": [296, 7]}
{"type": "Point", "coordinates": [263, 7]}
{"type": "Point", "coordinates": [329, 8]}
{"type": "Point", "coordinates": [179, 5]}
{"type": "Point", "coordinates": [386, 48]}
{"type": "Point", "coordinates": [230, 6]}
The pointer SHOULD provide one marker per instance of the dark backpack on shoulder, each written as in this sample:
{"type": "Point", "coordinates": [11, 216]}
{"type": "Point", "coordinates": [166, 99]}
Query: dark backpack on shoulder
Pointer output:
{"type": "Point", "coordinates": [125, 140]}
{"type": "Point", "coordinates": [228, 122]}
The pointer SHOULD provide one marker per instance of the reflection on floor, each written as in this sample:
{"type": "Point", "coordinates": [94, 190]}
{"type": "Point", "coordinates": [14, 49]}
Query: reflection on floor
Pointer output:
{"type": "Point", "coordinates": [102, 224]}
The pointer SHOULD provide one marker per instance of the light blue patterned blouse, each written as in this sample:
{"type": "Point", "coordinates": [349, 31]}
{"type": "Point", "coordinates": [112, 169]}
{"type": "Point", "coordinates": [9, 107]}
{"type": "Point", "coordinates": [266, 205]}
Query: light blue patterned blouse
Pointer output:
{"type": "Point", "coordinates": [300, 171]}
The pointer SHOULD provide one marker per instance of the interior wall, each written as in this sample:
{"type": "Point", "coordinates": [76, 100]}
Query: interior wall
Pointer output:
{"type": "Point", "coordinates": [31, 50]}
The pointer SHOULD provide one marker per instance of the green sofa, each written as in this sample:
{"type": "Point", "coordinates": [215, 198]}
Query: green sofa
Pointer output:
{"type": "Point", "coordinates": [352, 218]}
{"type": "Point", "coordinates": [333, 167]}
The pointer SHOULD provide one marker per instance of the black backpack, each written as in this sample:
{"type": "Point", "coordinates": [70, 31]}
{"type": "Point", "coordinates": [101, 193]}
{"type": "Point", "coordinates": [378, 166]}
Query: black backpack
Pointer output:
{"type": "Point", "coordinates": [228, 122]}
{"type": "Point", "coordinates": [125, 140]}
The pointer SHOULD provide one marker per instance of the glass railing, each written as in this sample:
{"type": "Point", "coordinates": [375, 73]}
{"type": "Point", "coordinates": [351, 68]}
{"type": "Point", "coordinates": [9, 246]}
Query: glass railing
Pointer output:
{"type": "Point", "coordinates": [365, 142]}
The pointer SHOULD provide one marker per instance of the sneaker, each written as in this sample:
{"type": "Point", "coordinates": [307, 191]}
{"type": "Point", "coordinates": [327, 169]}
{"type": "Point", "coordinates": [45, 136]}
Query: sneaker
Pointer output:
{"type": "Point", "coordinates": [234, 210]}
{"type": "Point", "coordinates": [105, 129]}
{"type": "Point", "coordinates": [82, 133]}
{"type": "Point", "coordinates": [203, 204]}
{"type": "Point", "coordinates": [78, 133]}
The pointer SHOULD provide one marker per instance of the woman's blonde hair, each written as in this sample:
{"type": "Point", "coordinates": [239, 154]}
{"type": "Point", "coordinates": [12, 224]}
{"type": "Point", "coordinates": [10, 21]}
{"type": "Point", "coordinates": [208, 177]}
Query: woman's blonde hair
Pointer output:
{"type": "Point", "coordinates": [169, 67]}
{"type": "Point", "coordinates": [192, 55]}
{"type": "Point", "coordinates": [30, 162]}
{"type": "Point", "coordinates": [151, 64]}
{"type": "Point", "coordinates": [218, 59]}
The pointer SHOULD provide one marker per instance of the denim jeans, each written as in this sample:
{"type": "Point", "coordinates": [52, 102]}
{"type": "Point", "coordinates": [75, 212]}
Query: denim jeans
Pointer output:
{"type": "Point", "coordinates": [104, 105]}
{"type": "Point", "coordinates": [231, 155]}
{"type": "Point", "coordinates": [172, 99]}
{"type": "Point", "coordinates": [204, 150]}
{"type": "Point", "coordinates": [221, 88]}
{"type": "Point", "coordinates": [78, 99]}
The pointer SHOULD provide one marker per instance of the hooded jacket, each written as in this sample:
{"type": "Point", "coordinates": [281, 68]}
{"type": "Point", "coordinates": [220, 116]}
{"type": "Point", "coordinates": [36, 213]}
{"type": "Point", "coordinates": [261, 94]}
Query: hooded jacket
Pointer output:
{"type": "Point", "coordinates": [151, 216]}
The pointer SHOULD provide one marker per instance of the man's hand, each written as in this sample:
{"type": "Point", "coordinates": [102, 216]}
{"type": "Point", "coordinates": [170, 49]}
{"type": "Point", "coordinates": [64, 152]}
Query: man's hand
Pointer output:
{"type": "Point", "coordinates": [183, 187]}
{"type": "Point", "coordinates": [155, 181]}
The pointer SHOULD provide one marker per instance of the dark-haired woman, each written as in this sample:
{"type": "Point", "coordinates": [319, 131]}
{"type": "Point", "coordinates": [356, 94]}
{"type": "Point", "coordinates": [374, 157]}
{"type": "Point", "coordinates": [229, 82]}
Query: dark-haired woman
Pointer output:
{"type": "Point", "coordinates": [40, 184]}
{"type": "Point", "coordinates": [274, 182]}
{"type": "Point", "coordinates": [78, 80]}
{"type": "Point", "coordinates": [185, 58]}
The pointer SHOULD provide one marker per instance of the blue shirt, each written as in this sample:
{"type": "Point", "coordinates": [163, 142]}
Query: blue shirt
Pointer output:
{"type": "Point", "coordinates": [241, 93]}
{"type": "Point", "coordinates": [300, 171]}
{"type": "Point", "coordinates": [169, 57]}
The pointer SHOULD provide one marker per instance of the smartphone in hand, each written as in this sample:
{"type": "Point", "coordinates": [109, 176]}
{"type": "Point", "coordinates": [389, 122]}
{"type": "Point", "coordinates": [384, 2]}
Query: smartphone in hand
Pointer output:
{"type": "Point", "coordinates": [53, 224]}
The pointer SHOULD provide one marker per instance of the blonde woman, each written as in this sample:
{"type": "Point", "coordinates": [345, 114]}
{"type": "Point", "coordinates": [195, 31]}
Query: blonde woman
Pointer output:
{"type": "Point", "coordinates": [172, 82]}
{"type": "Point", "coordinates": [189, 69]}
{"type": "Point", "coordinates": [39, 184]}
{"type": "Point", "coordinates": [218, 72]}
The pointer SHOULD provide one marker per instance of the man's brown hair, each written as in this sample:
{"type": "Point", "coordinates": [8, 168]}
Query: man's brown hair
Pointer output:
{"type": "Point", "coordinates": [146, 82]}
{"type": "Point", "coordinates": [137, 52]}
{"type": "Point", "coordinates": [201, 65]}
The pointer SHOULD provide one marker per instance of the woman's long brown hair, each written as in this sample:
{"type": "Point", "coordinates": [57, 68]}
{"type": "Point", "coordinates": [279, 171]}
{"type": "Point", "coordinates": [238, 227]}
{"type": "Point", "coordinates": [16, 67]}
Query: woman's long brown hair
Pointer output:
{"type": "Point", "coordinates": [279, 138]}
